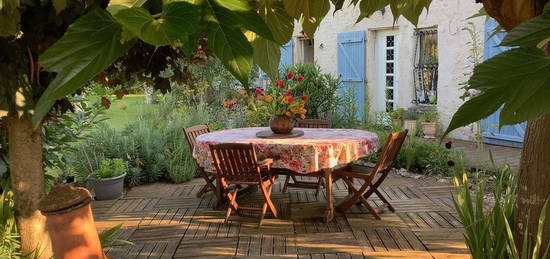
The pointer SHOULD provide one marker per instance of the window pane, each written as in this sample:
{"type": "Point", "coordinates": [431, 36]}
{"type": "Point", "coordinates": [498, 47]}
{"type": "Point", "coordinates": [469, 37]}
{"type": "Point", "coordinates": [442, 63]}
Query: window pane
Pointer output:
{"type": "Point", "coordinates": [426, 66]}
{"type": "Point", "coordinates": [389, 54]}
{"type": "Point", "coordinates": [389, 41]}
{"type": "Point", "coordinates": [389, 94]}
{"type": "Point", "coordinates": [389, 81]}
{"type": "Point", "coordinates": [389, 68]}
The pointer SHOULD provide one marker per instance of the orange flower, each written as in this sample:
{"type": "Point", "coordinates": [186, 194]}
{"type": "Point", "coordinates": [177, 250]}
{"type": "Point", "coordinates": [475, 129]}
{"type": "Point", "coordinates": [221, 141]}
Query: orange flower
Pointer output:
{"type": "Point", "coordinates": [289, 99]}
{"type": "Point", "coordinates": [295, 110]}
{"type": "Point", "coordinates": [288, 114]}
{"type": "Point", "coordinates": [268, 98]}
{"type": "Point", "coordinates": [241, 91]}
{"type": "Point", "coordinates": [302, 116]}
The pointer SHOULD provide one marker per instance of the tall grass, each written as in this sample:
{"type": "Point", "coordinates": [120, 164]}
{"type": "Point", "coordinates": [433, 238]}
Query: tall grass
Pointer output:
{"type": "Point", "coordinates": [488, 231]}
{"type": "Point", "coordinates": [10, 245]}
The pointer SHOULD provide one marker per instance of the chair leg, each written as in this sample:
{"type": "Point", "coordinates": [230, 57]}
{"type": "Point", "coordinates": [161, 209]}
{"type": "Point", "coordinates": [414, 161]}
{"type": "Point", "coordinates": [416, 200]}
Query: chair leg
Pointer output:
{"type": "Point", "coordinates": [319, 183]}
{"type": "Point", "coordinates": [209, 185]}
{"type": "Point", "coordinates": [384, 200]}
{"type": "Point", "coordinates": [232, 202]}
{"type": "Point", "coordinates": [285, 186]}
{"type": "Point", "coordinates": [354, 198]}
{"type": "Point", "coordinates": [262, 215]}
{"type": "Point", "coordinates": [203, 190]}
{"type": "Point", "coordinates": [266, 191]}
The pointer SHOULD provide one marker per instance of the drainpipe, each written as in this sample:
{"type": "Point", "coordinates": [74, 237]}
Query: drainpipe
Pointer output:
{"type": "Point", "coordinates": [70, 223]}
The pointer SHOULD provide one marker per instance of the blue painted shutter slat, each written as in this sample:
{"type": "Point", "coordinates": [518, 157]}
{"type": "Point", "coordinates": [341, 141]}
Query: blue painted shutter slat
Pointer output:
{"type": "Point", "coordinates": [286, 55]}
{"type": "Point", "coordinates": [507, 135]}
{"type": "Point", "coordinates": [351, 65]}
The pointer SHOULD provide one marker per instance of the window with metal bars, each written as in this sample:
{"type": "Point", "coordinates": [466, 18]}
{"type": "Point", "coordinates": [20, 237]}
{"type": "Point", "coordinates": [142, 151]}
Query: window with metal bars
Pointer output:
{"type": "Point", "coordinates": [426, 66]}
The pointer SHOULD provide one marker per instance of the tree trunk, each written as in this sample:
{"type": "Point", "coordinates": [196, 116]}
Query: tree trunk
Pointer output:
{"type": "Point", "coordinates": [27, 179]}
{"type": "Point", "coordinates": [533, 183]}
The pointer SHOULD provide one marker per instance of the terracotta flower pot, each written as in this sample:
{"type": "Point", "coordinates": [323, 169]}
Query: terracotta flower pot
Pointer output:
{"type": "Point", "coordinates": [70, 223]}
{"type": "Point", "coordinates": [281, 124]}
{"type": "Point", "coordinates": [430, 129]}
{"type": "Point", "coordinates": [410, 125]}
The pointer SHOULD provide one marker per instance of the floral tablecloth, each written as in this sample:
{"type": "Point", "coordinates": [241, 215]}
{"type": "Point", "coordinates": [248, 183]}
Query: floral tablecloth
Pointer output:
{"type": "Point", "coordinates": [317, 149]}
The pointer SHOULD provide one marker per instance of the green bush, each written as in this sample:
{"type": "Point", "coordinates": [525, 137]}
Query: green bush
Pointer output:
{"type": "Point", "coordinates": [326, 101]}
{"type": "Point", "coordinates": [10, 245]}
{"type": "Point", "coordinates": [111, 168]}
{"type": "Point", "coordinates": [424, 156]}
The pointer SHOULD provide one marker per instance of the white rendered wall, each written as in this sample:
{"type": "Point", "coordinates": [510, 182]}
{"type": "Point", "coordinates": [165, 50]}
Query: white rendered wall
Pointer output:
{"type": "Point", "coordinates": [448, 16]}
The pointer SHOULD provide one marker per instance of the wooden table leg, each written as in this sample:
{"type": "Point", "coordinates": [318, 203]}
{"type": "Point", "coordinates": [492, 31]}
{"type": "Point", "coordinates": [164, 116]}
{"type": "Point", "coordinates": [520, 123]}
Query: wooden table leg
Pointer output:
{"type": "Point", "coordinates": [329, 213]}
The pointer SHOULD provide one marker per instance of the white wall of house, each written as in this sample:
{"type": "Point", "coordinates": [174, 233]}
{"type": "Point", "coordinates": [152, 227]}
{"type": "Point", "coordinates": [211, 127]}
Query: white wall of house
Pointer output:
{"type": "Point", "coordinates": [449, 17]}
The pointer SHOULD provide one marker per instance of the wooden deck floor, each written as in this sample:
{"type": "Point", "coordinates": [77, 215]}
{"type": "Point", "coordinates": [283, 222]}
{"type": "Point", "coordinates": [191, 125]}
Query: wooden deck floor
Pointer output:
{"type": "Point", "coordinates": [168, 221]}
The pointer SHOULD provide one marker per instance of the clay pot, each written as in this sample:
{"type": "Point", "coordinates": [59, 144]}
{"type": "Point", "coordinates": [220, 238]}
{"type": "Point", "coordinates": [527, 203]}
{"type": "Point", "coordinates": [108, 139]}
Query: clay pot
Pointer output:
{"type": "Point", "coordinates": [70, 223]}
{"type": "Point", "coordinates": [281, 124]}
{"type": "Point", "coordinates": [410, 125]}
{"type": "Point", "coordinates": [430, 129]}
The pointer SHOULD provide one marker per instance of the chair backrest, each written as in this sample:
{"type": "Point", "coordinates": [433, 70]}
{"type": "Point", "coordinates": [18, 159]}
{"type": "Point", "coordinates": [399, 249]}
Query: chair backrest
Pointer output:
{"type": "Point", "coordinates": [390, 151]}
{"type": "Point", "coordinates": [235, 162]}
{"type": "Point", "coordinates": [312, 123]}
{"type": "Point", "coordinates": [193, 132]}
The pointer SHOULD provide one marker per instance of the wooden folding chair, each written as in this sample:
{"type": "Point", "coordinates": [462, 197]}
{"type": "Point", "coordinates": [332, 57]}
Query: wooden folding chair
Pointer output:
{"type": "Point", "coordinates": [371, 178]}
{"type": "Point", "coordinates": [191, 134]}
{"type": "Point", "coordinates": [306, 123]}
{"type": "Point", "coordinates": [238, 164]}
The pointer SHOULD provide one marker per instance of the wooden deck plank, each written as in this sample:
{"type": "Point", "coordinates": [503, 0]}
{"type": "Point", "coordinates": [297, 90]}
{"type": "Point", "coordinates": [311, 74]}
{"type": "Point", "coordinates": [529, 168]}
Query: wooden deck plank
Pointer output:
{"type": "Point", "coordinates": [171, 222]}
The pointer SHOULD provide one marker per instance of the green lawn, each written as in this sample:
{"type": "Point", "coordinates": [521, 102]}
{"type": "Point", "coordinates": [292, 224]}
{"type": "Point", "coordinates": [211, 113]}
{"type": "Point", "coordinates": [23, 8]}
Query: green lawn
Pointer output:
{"type": "Point", "coordinates": [123, 111]}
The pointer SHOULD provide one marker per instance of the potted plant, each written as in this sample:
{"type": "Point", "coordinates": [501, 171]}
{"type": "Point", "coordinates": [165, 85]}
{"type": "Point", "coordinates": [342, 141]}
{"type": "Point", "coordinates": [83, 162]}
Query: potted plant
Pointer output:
{"type": "Point", "coordinates": [410, 120]}
{"type": "Point", "coordinates": [107, 182]}
{"type": "Point", "coordinates": [282, 105]}
{"type": "Point", "coordinates": [397, 118]}
{"type": "Point", "coordinates": [429, 122]}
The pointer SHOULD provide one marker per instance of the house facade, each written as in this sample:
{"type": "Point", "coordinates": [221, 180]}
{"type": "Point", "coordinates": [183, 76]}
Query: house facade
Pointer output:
{"type": "Point", "coordinates": [397, 65]}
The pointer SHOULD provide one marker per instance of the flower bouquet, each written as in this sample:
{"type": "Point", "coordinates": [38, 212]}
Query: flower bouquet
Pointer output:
{"type": "Point", "coordinates": [282, 105]}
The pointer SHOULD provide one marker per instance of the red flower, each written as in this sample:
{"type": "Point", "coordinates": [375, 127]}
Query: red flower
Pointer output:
{"type": "Point", "coordinates": [289, 75]}
{"type": "Point", "coordinates": [299, 78]}
{"type": "Point", "coordinates": [280, 83]}
{"type": "Point", "coordinates": [288, 93]}
{"type": "Point", "coordinates": [291, 100]}
{"type": "Point", "coordinates": [259, 91]}
{"type": "Point", "coordinates": [305, 98]}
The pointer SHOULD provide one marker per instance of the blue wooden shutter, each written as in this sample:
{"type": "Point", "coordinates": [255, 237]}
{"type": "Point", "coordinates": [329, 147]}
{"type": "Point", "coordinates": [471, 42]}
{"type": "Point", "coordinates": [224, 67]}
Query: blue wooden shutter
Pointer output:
{"type": "Point", "coordinates": [507, 135]}
{"type": "Point", "coordinates": [351, 65]}
{"type": "Point", "coordinates": [286, 55]}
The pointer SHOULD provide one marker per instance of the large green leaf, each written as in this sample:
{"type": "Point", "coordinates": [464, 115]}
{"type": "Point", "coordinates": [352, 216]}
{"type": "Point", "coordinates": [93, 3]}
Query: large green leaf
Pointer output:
{"type": "Point", "coordinates": [531, 32]}
{"type": "Point", "coordinates": [232, 48]}
{"type": "Point", "coordinates": [519, 79]}
{"type": "Point", "coordinates": [59, 5]}
{"type": "Point", "coordinates": [267, 55]}
{"type": "Point", "coordinates": [89, 45]}
{"type": "Point", "coordinates": [116, 5]}
{"type": "Point", "coordinates": [247, 19]}
{"type": "Point", "coordinates": [367, 8]}
{"type": "Point", "coordinates": [177, 20]}
{"type": "Point", "coordinates": [9, 17]}
{"type": "Point", "coordinates": [311, 13]}
{"type": "Point", "coordinates": [278, 21]}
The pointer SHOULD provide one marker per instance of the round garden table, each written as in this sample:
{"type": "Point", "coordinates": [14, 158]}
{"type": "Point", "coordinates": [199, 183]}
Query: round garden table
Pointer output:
{"type": "Point", "coordinates": [319, 149]}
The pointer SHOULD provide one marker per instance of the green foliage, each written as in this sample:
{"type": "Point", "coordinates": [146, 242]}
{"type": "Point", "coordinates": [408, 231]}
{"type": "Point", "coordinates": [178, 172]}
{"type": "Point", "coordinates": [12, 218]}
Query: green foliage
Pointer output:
{"type": "Point", "coordinates": [99, 45]}
{"type": "Point", "coordinates": [111, 168]}
{"type": "Point", "coordinates": [309, 12]}
{"type": "Point", "coordinates": [430, 114]}
{"type": "Point", "coordinates": [411, 114]}
{"type": "Point", "coordinates": [498, 78]}
{"type": "Point", "coordinates": [108, 237]}
{"type": "Point", "coordinates": [423, 156]}
{"type": "Point", "coordinates": [411, 10]}
{"type": "Point", "coordinates": [488, 232]}
{"type": "Point", "coordinates": [10, 244]}
{"type": "Point", "coordinates": [134, 177]}
{"type": "Point", "coordinates": [344, 114]}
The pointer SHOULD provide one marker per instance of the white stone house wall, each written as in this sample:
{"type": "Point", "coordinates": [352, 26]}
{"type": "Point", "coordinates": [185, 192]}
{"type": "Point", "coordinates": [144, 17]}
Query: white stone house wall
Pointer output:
{"type": "Point", "coordinates": [448, 16]}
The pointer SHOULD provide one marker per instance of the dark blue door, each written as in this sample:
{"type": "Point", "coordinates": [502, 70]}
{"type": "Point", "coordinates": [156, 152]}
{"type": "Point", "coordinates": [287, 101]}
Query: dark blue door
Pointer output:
{"type": "Point", "coordinates": [507, 135]}
{"type": "Point", "coordinates": [351, 65]}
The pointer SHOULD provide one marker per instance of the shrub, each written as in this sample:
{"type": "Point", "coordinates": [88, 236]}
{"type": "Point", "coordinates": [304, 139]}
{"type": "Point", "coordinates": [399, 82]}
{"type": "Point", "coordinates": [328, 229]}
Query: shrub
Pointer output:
{"type": "Point", "coordinates": [111, 168]}
{"type": "Point", "coordinates": [10, 245]}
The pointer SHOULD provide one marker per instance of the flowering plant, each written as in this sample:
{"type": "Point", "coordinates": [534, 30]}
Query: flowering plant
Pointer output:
{"type": "Point", "coordinates": [279, 98]}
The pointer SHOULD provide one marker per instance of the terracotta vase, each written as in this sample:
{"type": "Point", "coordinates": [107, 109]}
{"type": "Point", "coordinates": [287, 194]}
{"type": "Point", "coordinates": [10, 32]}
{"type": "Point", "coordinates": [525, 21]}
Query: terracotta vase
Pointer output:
{"type": "Point", "coordinates": [430, 129]}
{"type": "Point", "coordinates": [71, 224]}
{"type": "Point", "coordinates": [281, 124]}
